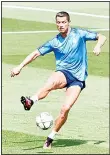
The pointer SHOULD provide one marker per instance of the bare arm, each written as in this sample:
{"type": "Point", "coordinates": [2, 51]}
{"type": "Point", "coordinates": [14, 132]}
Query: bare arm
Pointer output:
{"type": "Point", "coordinates": [101, 40]}
{"type": "Point", "coordinates": [27, 60]}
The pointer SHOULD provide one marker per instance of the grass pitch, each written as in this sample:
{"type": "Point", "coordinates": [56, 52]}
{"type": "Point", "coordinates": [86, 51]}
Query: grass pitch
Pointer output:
{"type": "Point", "coordinates": [20, 143]}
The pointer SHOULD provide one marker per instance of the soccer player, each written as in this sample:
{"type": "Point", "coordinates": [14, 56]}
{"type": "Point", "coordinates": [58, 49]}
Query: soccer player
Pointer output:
{"type": "Point", "coordinates": [69, 48]}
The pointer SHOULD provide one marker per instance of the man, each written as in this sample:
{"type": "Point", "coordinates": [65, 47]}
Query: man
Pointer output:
{"type": "Point", "coordinates": [69, 47]}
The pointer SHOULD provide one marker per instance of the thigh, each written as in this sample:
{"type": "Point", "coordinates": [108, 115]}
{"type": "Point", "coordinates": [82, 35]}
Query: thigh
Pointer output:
{"type": "Point", "coordinates": [72, 94]}
{"type": "Point", "coordinates": [57, 80]}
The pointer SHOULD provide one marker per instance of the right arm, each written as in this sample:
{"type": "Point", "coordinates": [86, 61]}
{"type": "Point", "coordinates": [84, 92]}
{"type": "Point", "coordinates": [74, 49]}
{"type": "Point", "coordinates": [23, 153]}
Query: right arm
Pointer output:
{"type": "Point", "coordinates": [27, 60]}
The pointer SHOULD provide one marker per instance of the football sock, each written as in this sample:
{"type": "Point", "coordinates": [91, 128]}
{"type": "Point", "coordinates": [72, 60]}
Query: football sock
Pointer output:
{"type": "Point", "coordinates": [52, 134]}
{"type": "Point", "coordinates": [34, 98]}
{"type": "Point", "coordinates": [49, 140]}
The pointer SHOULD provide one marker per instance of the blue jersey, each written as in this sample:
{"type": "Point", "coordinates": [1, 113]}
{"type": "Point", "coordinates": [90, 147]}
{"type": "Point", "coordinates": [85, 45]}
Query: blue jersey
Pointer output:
{"type": "Point", "coordinates": [70, 52]}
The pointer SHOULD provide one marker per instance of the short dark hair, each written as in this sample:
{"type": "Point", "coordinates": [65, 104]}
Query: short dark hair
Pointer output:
{"type": "Point", "coordinates": [63, 14]}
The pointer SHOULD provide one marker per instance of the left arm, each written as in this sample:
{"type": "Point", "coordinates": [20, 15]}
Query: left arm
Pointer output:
{"type": "Point", "coordinates": [101, 40]}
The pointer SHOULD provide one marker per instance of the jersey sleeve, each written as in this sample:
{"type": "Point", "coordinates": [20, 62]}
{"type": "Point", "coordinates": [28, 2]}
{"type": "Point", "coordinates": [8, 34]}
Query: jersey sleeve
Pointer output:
{"type": "Point", "coordinates": [88, 35]}
{"type": "Point", "coordinates": [45, 48]}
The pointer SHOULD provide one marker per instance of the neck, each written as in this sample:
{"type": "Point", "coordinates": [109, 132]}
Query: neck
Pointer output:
{"type": "Point", "coordinates": [66, 32]}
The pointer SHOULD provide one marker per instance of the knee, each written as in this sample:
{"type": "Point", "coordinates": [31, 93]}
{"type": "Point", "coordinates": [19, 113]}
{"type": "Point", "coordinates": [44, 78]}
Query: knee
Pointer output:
{"type": "Point", "coordinates": [64, 111]}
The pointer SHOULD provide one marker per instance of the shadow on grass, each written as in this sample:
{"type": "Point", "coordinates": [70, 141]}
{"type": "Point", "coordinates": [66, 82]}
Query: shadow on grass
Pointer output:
{"type": "Point", "coordinates": [68, 142]}
{"type": "Point", "coordinates": [74, 142]}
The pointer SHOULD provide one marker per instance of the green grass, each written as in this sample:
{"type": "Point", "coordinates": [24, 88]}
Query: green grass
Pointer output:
{"type": "Point", "coordinates": [20, 143]}
{"type": "Point", "coordinates": [98, 65]}
{"type": "Point", "coordinates": [9, 24]}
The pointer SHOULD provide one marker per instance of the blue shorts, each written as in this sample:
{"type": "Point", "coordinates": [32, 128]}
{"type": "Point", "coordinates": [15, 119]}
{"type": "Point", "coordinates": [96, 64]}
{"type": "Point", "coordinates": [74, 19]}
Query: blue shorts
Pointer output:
{"type": "Point", "coordinates": [71, 80]}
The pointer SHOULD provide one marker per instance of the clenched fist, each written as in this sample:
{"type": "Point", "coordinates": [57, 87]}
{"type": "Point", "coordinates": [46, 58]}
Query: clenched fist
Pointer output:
{"type": "Point", "coordinates": [97, 50]}
{"type": "Point", "coordinates": [15, 71]}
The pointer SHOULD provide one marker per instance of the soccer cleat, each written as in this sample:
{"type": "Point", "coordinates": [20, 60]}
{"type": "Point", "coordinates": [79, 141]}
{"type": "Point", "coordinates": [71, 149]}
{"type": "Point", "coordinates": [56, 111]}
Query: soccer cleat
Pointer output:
{"type": "Point", "coordinates": [48, 143]}
{"type": "Point", "coordinates": [27, 102]}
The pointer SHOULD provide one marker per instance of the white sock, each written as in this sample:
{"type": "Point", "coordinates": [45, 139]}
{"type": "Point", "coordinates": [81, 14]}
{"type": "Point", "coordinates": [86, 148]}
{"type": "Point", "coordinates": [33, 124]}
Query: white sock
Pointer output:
{"type": "Point", "coordinates": [34, 98]}
{"type": "Point", "coordinates": [52, 134]}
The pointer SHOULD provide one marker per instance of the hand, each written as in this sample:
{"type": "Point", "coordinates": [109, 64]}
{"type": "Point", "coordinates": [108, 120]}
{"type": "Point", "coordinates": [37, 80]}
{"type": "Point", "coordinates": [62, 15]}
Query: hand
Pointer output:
{"type": "Point", "coordinates": [97, 50]}
{"type": "Point", "coordinates": [15, 71]}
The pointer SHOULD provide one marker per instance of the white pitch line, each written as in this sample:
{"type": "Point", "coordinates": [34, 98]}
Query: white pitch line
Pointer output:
{"type": "Point", "coordinates": [54, 31]}
{"type": "Point", "coordinates": [52, 10]}
{"type": "Point", "coordinates": [27, 32]}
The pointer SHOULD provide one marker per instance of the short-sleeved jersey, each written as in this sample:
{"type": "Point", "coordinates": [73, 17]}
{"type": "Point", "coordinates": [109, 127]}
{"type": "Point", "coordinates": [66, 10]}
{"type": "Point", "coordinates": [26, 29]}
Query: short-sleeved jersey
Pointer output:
{"type": "Point", "coordinates": [70, 52]}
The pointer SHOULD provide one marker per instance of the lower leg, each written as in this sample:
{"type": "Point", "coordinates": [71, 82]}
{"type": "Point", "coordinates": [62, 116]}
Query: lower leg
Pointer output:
{"type": "Point", "coordinates": [56, 81]}
{"type": "Point", "coordinates": [29, 101]}
{"type": "Point", "coordinates": [42, 93]}
{"type": "Point", "coordinates": [59, 123]}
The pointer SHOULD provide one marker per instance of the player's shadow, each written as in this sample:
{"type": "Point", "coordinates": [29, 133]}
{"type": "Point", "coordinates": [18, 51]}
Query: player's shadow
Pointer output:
{"type": "Point", "coordinates": [68, 142]}
{"type": "Point", "coordinates": [74, 142]}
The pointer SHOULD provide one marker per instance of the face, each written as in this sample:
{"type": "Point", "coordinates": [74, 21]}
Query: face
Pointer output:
{"type": "Point", "coordinates": [62, 24]}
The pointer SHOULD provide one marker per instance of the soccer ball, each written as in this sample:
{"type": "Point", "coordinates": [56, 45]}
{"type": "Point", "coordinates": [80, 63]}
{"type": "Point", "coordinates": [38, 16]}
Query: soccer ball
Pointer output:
{"type": "Point", "coordinates": [44, 121]}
